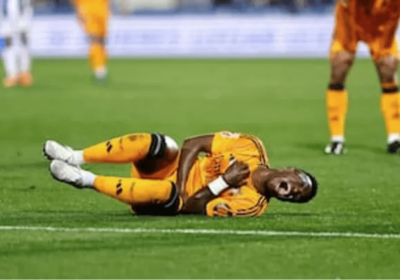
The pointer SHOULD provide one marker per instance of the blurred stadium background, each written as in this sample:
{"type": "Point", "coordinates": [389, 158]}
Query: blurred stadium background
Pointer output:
{"type": "Point", "coordinates": [151, 7]}
{"type": "Point", "coordinates": [193, 28]}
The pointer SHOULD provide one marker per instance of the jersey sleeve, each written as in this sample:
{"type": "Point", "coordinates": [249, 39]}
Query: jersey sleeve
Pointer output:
{"type": "Point", "coordinates": [241, 205]}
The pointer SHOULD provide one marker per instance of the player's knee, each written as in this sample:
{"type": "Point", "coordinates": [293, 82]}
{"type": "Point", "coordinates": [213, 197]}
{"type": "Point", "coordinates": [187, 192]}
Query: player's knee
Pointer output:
{"type": "Point", "coordinates": [343, 59]}
{"type": "Point", "coordinates": [163, 146]}
{"type": "Point", "coordinates": [97, 40]}
{"type": "Point", "coordinates": [8, 41]}
{"type": "Point", "coordinates": [24, 38]}
{"type": "Point", "coordinates": [387, 68]}
{"type": "Point", "coordinates": [172, 148]}
{"type": "Point", "coordinates": [340, 63]}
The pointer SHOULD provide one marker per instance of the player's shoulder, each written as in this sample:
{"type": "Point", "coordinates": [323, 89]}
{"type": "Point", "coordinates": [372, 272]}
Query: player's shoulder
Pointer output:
{"type": "Point", "coordinates": [235, 135]}
{"type": "Point", "coordinates": [225, 136]}
{"type": "Point", "coordinates": [229, 134]}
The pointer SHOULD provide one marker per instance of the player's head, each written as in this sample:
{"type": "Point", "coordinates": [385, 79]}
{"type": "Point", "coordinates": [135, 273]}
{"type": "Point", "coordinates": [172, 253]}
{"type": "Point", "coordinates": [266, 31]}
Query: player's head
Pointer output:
{"type": "Point", "coordinates": [292, 185]}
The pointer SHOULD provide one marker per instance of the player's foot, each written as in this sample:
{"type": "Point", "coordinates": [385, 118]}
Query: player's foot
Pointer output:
{"type": "Point", "coordinates": [394, 147]}
{"type": "Point", "coordinates": [72, 175]}
{"type": "Point", "coordinates": [335, 148]}
{"type": "Point", "coordinates": [10, 82]}
{"type": "Point", "coordinates": [25, 79]}
{"type": "Point", "coordinates": [53, 150]}
{"type": "Point", "coordinates": [100, 75]}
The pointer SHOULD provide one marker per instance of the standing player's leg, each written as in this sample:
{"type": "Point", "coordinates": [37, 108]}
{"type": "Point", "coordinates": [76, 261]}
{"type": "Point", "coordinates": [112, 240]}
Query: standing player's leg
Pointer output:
{"type": "Point", "coordinates": [10, 61]}
{"type": "Point", "coordinates": [386, 62]}
{"type": "Point", "coordinates": [98, 57]}
{"type": "Point", "coordinates": [150, 197]}
{"type": "Point", "coordinates": [25, 76]}
{"type": "Point", "coordinates": [336, 100]}
{"type": "Point", "coordinates": [342, 56]}
{"type": "Point", "coordinates": [24, 23]}
{"type": "Point", "coordinates": [8, 30]}
{"type": "Point", "coordinates": [95, 18]}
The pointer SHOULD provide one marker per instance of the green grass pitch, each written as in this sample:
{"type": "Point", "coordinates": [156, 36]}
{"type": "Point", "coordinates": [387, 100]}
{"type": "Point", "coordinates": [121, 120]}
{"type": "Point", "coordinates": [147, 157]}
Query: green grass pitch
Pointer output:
{"type": "Point", "coordinates": [281, 101]}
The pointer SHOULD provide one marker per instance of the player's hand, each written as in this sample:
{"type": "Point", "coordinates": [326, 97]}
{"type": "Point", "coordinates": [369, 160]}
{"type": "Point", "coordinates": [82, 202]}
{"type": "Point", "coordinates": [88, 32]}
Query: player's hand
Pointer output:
{"type": "Point", "coordinates": [237, 174]}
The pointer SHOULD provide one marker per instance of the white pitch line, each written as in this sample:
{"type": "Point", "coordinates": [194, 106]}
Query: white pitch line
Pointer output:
{"type": "Point", "coordinates": [208, 231]}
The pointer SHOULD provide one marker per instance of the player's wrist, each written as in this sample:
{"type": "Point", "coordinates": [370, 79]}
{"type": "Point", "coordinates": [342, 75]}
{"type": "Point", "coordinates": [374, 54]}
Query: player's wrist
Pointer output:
{"type": "Point", "coordinates": [218, 185]}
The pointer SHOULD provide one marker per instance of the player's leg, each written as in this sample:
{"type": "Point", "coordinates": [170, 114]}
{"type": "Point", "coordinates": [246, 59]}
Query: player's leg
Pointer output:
{"type": "Point", "coordinates": [155, 197]}
{"type": "Point", "coordinates": [10, 61]}
{"type": "Point", "coordinates": [336, 100]}
{"type": "Point", "coordinates": [8, 30]}
{"type": "Point", "coordinates": [96, 28]}
{"type": "Point", "coordinates": [25, 76]}
{"type": "Point", "coordinates": [93, 17]}
{"type": "Point", "coordinates": [386, 63]}
{"type": "Point", "coordinates": [131, 148]}
{"type": "Point", "coordinates": [342, 56]}
{"type": "Point", "coordinates": [98, 57]}
{"type": "Point", "coordinates": [24, 23]}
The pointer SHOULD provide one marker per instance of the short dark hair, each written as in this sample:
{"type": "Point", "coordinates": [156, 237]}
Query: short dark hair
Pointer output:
{"type": "Point", "coordinates": [314, 188]}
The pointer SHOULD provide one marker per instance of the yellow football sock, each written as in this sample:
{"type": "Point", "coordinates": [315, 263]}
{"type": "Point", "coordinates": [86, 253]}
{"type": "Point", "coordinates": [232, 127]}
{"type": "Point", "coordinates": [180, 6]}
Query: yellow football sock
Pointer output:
{"type": "Point", "coordinates": [97, 56]}
{"type": "Point", "coordinates": [126, 149]}
{"type": "Point", "coordinates": [135, 192]}
{"type": "Point", "coordinates": [337, 103]}
{"type": "Point", "coordinates": [390, 106]}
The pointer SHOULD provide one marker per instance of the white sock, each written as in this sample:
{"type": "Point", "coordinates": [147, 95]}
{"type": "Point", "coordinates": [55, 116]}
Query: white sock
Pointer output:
{"type": "Point", "coordinates": [24, 58]}
{"type": "Point", "coordinates": [88, 178]}
{"type": "Point", "coordinates": [78, 158]}
{"type": "Point", "coordinates": [100, 72]}
{"type": "Point", "coordinates": [392, 137]}
{"type": "Point", "coordinates": [337, 138]}
{"type": "Point", "coordinates": [10, 57]}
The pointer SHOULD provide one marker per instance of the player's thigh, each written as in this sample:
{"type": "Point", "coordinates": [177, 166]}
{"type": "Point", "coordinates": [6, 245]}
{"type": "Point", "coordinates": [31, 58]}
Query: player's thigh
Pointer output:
{"type": "Point", "coordinates": [6, 28]}
{"type": "Point", "coordinates": [380, 48]}
{"type": "Point", "coordinates": [385, 58]}
{"type": "Point", "coordinates": [25, 23]}
{"type": "Point", "coordinates": [344, 37]}
{"type": "Point", "coordinates": [102, 21]}
{"type": "Point", "coordinates": [8, 25]}
{"type": "Point", "coordinates": [95, 22]}
{"type": "Point", "coordinates": [15, 21]}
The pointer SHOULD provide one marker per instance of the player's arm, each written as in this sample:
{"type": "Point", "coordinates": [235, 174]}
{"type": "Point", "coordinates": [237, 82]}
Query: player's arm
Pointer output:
{"type": "Point", "coordinates": [191, 148]}
{"type": "Point", "coordinates": [235, 176]}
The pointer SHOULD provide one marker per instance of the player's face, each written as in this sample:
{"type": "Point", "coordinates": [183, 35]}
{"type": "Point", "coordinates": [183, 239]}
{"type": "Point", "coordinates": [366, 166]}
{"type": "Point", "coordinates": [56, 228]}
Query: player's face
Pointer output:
{"type": "Point", "coordinates": [290, 185]}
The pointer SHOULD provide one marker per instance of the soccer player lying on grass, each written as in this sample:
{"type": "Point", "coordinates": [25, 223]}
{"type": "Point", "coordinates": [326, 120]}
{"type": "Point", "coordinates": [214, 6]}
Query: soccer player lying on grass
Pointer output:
{"type": "Point", "coordinates": [233, 179]}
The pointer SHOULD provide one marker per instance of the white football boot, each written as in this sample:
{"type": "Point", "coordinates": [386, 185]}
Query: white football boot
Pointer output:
{"type": "Point", "coordinates": [72, 175]}
{"type": "Point", "coordinates": [53, 150]}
